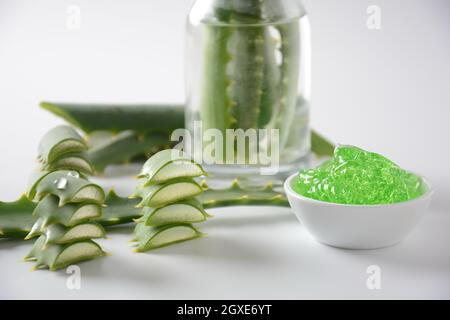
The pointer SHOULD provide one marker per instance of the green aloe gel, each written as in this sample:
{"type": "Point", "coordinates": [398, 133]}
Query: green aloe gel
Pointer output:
{"type": "Point", "coordinates": [356, 176]}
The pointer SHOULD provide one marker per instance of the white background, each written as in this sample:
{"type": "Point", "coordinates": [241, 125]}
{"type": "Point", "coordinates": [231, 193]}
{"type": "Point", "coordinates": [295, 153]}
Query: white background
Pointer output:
{"type": "Point", "coordinates": [386, 90]}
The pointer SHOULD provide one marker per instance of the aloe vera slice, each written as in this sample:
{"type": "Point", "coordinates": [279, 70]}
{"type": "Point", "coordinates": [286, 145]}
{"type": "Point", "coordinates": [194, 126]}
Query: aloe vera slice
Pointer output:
{"type": "Point", "coordinates": [72, 162]}
{"type": "Point", "coordinates": [150, 238]}
{"type": "Point", "coordinates": [58, 234]}
{"type": "Point", "coordinates": [167, 165]}
{"type": "Point", "coordinates": [57, 256]}
{"type": "Point", "coordinates": [59, 141]}
{"type": "Point", "coordinates": [187, 211]}
{"type": "Point", "coordinates": [69, 188]}
{"type": "Point", "coordinates": [69, 215]}
{"type": "Point", "coordinates": [161, 194]}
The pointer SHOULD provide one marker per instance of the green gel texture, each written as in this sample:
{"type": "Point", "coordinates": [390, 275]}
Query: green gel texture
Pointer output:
{"type": "Point", "coordinates": [356, 176]}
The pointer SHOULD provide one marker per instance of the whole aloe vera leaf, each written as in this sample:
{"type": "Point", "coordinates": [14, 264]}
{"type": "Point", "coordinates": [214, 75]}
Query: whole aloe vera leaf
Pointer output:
{"type": "Point", "coordinates": [69, 189]}
{"type": "Point", "coordinates": [57, 256]}
{"type": "Point", "coordinates": [59, 141]}
{"type": "Point", "coordinates": [186, 211]}
{"type": "Point", "coordinates": [245, 73]}
{"type": "Point", "coordinates": [289, 69]}
{"type": "Point", "coordinates": [217, 110]}
{"type": "Point", "coordinates": [167, 165]}
{"type": "Point", "coordinates": [161, 194]}
{"type": "Point", "coordinates": [117, 118]}
{"type": "Point", "coordinates": [149, 238]}
{"type": "Point", "coordinates": [123, 147]}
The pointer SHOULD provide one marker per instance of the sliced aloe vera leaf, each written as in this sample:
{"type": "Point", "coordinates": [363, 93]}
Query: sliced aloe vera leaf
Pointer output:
{"type": "Point", "coordinates": [59, 234]}
{"type": "Point", "coordinates": [149, 238]}
{"type": "Point", "coordinates": [68, 215]}
{"type": "Point", "coordinates": [161, 194]}
{"type": "Point", "coordinates": [187, 211]}
{"type": "Point", "coordinates": [59, 141]}
{"type": "Point", "coordinates": [71, 162]}
{"type": "Point", "coordinates": [57, 256]}
{"type": "Point", "coordinates": [106, 149]}
{"type": "Point", "coordinates": [168, 165]}
{"type": "Point", "coordinates": [116, 118]}
{"type": "Point", "coordinates": [69, 188]}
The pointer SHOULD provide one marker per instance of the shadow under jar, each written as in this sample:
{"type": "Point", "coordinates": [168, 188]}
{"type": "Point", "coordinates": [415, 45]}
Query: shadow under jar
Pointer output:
{"type": "Point", "coordinates": [248, 87]}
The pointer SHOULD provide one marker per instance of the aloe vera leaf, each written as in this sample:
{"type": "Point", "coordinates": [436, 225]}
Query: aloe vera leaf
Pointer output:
{"type": "Point", "coordinates": [235, 195]}
{"type": "Point", "coordinates": [117, 118]}
{"type": "Point", "coordinates": [59, 141]}
{"type": "Point", "coordinates": [270, 92]}
{"type": "Point", "coordinates": [161, 194]}
{"type": "Point", "coordinates": [216, 108]}
{"type": "Point", "coordinates": [321, 146]}
{"type": "Point", "coordinates": [186, 211]}
{"type": "Point", "coordinates": [123, 147]}
{"type": "Point", "coordinates": [289, 68]}
{"type": "Point", "coordinates": [149, 238]}
{"type": "Point", "coordinates": [57, 256]}
{"type": "Point", "coordinates": [69, 189]}
{"type": "Point", "coordinates": [168, 165]}
{"type": "Point", "coordinates": [245, 73]}
{"type": "Point", "coordinates": [16, 218]}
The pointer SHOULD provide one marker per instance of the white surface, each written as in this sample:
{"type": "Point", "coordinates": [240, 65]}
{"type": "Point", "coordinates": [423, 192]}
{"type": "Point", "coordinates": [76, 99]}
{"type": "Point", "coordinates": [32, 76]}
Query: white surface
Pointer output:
{"type": "Point", "coordinates": [357, 226]}
{"type": "Point", "coordinates": [384, 90]}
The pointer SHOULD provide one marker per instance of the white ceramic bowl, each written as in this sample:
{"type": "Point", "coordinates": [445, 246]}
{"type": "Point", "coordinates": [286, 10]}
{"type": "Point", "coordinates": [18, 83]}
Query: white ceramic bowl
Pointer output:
{"type": "Point", "coordinates": [357, 226]}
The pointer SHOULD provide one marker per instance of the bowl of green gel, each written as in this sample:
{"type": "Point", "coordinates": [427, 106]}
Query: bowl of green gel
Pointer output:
{"type": "Point", "coordinates": [358, 200]}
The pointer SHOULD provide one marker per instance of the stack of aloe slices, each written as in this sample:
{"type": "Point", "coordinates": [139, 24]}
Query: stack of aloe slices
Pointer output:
{"type": "Point", "coordinates": [168, 192]}
{"type": "Point", "coordinates": [67, 203]}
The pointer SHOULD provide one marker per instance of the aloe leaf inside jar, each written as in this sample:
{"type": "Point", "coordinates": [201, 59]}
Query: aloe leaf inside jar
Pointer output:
{"type": "Point", "coordinates": [248, 68]}
{"type": "Point", "coordinates": [356, 176]}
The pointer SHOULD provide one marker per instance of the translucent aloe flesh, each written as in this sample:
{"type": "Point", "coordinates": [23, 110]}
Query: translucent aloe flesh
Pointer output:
{"type": "Point", "coordinates": [188, 211]}
{"type": "Point", "coordinates": [167, 165]}
{"type": "Point", "coordinates": [57, 256]}
{"type": "Point", "coordinates": [149, 238]}
{"type": "Point", "coordinates": [159, 195]}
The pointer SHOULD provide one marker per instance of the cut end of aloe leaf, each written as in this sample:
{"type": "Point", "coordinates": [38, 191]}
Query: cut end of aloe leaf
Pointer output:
{"type": "Point", "coordinates": [168, 165]}
{"type": "Point", "coordinates": [59, 141]}
{"type": "Point", "coordinates": [56, 256]}
{"type": "Point", "coordinates": [189, 211]}
{"type": "Point", "coordinates": [156, 237]}
{"type": "Point", "coordinates": [59, 234]}
{"type": "Point", "coordinates": [163, 194]}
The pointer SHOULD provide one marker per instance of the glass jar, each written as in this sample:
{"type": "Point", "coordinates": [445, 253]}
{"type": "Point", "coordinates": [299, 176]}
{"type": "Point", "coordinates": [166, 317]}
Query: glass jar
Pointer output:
{"type": "Point", "coordinates": [248, 86]}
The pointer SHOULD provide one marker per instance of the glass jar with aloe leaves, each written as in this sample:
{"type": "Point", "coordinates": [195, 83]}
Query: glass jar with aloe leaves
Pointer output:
{"type": "Point", "coordinates": [248, 86]}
